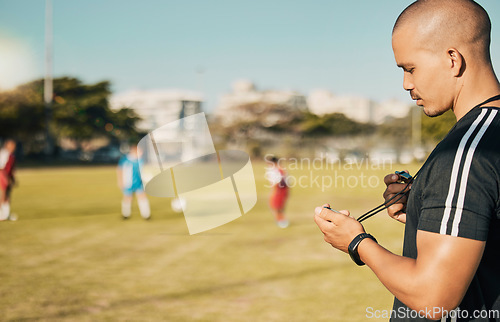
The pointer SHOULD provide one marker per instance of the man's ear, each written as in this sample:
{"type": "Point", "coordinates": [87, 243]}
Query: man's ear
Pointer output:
{"type": "Point", "coordinates": [457, 62]}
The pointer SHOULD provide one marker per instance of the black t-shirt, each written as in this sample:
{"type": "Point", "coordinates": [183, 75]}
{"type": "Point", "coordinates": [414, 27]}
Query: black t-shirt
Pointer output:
{"type": "Point", "coordinates": [457, 193]}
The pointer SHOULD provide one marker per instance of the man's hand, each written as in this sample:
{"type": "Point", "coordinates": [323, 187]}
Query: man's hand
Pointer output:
{"type": "Point", "coordinates": [339, 228]}
{"type": "Point", "coordinates": [394, 185]}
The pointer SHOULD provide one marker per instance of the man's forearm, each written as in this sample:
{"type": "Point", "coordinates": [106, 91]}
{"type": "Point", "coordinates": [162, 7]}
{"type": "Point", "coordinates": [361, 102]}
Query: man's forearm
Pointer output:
{"type": "Point", "coordinates": [403, 277]}
{"type": "Point", "coordinates": [395, 272]}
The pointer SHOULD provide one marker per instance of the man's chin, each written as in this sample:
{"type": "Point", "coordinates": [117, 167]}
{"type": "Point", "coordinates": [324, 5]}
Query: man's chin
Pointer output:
{"type": "Point", "coordinates": [432, 113]}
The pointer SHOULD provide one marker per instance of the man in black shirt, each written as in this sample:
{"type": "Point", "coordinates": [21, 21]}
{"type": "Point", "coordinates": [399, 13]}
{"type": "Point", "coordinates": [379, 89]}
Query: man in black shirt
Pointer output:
{"type": "Point", "coordinates": [451, 253]}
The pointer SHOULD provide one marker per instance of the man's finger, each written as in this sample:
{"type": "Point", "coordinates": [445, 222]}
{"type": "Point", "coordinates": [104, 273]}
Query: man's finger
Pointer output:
{"type": "Point", "coordinates": [328, 215]}
{"type": "Point", "coordinates": [397, 199]}
{"type": "Point", "coordinates": [322, 224]}
{"type": "Point", "coordinates": [321, 211]}
{"type": "Point", "coordinates": [345, 212]}
{"type": "Point", "coordinates": [394, 209]}
{"type": "Point", "coordinates": [391, 178]}
{"type": "Point", "coordinates": [394, 188]}
{"type": "Point", "coordinates": [397, 212]}
{"type": "Point", "coordinates": [318, 210]}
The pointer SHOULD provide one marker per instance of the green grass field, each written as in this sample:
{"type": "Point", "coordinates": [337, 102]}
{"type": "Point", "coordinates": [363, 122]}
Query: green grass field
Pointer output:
{"type": "Point", "coordinates": [70, 257]}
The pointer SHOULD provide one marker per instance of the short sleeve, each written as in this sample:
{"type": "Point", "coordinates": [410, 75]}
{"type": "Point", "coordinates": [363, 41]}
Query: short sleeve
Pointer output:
{"type": "Point", "coordinates": [461, 197]}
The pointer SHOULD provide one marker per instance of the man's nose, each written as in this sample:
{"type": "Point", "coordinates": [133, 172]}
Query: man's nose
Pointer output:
{"type": "Point", "coordinates": [408, 82]}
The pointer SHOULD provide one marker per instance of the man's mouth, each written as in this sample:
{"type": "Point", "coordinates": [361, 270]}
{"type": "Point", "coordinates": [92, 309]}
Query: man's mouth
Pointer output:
{"type": "Point", "coordinates": [417, 99]}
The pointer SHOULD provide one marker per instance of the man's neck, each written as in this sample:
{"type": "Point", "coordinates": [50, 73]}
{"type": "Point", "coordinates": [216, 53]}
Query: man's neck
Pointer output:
{"type": "Point", "coordinates": [474, 90]}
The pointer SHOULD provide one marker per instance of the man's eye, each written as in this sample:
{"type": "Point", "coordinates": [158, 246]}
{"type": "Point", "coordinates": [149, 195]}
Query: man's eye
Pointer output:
{"type": "Point", "coordinates": [410, 70]}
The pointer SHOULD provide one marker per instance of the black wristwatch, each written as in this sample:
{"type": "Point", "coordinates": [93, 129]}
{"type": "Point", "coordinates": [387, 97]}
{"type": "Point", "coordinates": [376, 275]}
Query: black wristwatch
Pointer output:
{"type": "Point", "coordinates": [353, 247]}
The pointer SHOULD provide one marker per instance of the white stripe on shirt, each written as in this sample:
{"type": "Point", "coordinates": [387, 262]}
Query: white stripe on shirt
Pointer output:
{"type": "Point", "coordinates": [454, 172]}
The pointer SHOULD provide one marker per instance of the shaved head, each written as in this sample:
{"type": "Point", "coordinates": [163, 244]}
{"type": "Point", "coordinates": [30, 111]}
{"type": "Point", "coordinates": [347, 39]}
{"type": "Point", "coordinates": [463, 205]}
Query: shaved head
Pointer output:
{"type": "Point", "coordinates": [441, 24]}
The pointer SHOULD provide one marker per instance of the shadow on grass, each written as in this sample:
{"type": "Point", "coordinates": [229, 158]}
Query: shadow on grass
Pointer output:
{"type": "Point", "coordinates": [176, 295]}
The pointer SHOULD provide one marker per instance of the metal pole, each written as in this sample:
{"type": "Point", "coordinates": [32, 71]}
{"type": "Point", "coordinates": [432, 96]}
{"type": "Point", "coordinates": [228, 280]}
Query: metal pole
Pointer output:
{"type": "Point", "coordinates": [48, 86]}
{"type": "Point", "coordinates": [416, 128]}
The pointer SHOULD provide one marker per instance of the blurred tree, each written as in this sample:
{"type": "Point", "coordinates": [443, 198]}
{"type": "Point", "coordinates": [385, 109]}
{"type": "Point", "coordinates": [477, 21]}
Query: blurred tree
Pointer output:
{"type": "Point", "coordinates": [396, 127]}
{"type": "Point", "coordinates": [255, 123]}
{"type": "Point", "coordinates": [257, 126]}
{"type": "Point", "coordinates": [80, 112]}
{"type": "Point", "coordinates": [434, 129]}
{"type": "Point", "coordinates": [275, 118]}
{"type": "Point", "coordinates": [334, 124]}
{"type": "Point", "coordinates": [22, 116]}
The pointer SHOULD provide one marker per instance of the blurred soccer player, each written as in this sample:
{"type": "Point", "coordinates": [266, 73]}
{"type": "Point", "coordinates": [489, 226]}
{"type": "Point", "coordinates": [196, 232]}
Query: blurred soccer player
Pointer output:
{"type": "Point", "coordinates": [279, 193]}
{"type": "Point", "coordinates": [129, 181]}
{"type": "Point", "coordinates": [7, 180]}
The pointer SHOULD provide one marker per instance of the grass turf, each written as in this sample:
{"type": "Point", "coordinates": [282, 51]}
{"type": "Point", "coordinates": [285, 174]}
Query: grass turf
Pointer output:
{"type": "Point", "coordinates": [71, 257]}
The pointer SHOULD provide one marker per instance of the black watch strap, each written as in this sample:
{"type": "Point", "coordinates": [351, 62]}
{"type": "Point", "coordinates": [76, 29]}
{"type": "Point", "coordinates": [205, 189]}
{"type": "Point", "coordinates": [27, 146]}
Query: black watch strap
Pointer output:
{"type": "Point", "coordinates": [353, 247]}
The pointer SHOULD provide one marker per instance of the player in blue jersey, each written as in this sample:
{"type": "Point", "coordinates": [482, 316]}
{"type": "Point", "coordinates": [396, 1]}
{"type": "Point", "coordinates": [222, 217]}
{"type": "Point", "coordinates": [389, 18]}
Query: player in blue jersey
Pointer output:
{"type": "Point", "coordinates": [129, 181]}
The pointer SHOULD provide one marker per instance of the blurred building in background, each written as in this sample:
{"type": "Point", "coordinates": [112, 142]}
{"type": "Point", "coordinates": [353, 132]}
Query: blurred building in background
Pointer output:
{"type": "Point", "coordinates": [319, 102]}
{"type": "Point", "coordinates": [360, 109]}
{"type": "Point", "coordinates": [357, 108]}
{"type": "Point", "coordinates": [272, 106]}
{"type": "Point", "coordinates": [159, 107]}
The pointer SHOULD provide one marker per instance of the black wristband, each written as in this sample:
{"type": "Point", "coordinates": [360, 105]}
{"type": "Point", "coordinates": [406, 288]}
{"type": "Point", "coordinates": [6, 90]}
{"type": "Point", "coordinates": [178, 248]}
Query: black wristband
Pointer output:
{"type": "Point", "coordinates": [353, 247]}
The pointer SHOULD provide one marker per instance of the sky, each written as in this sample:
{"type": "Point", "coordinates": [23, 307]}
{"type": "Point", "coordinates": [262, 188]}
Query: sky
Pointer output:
{"type": "Point", "coordinates": [337, 45]}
